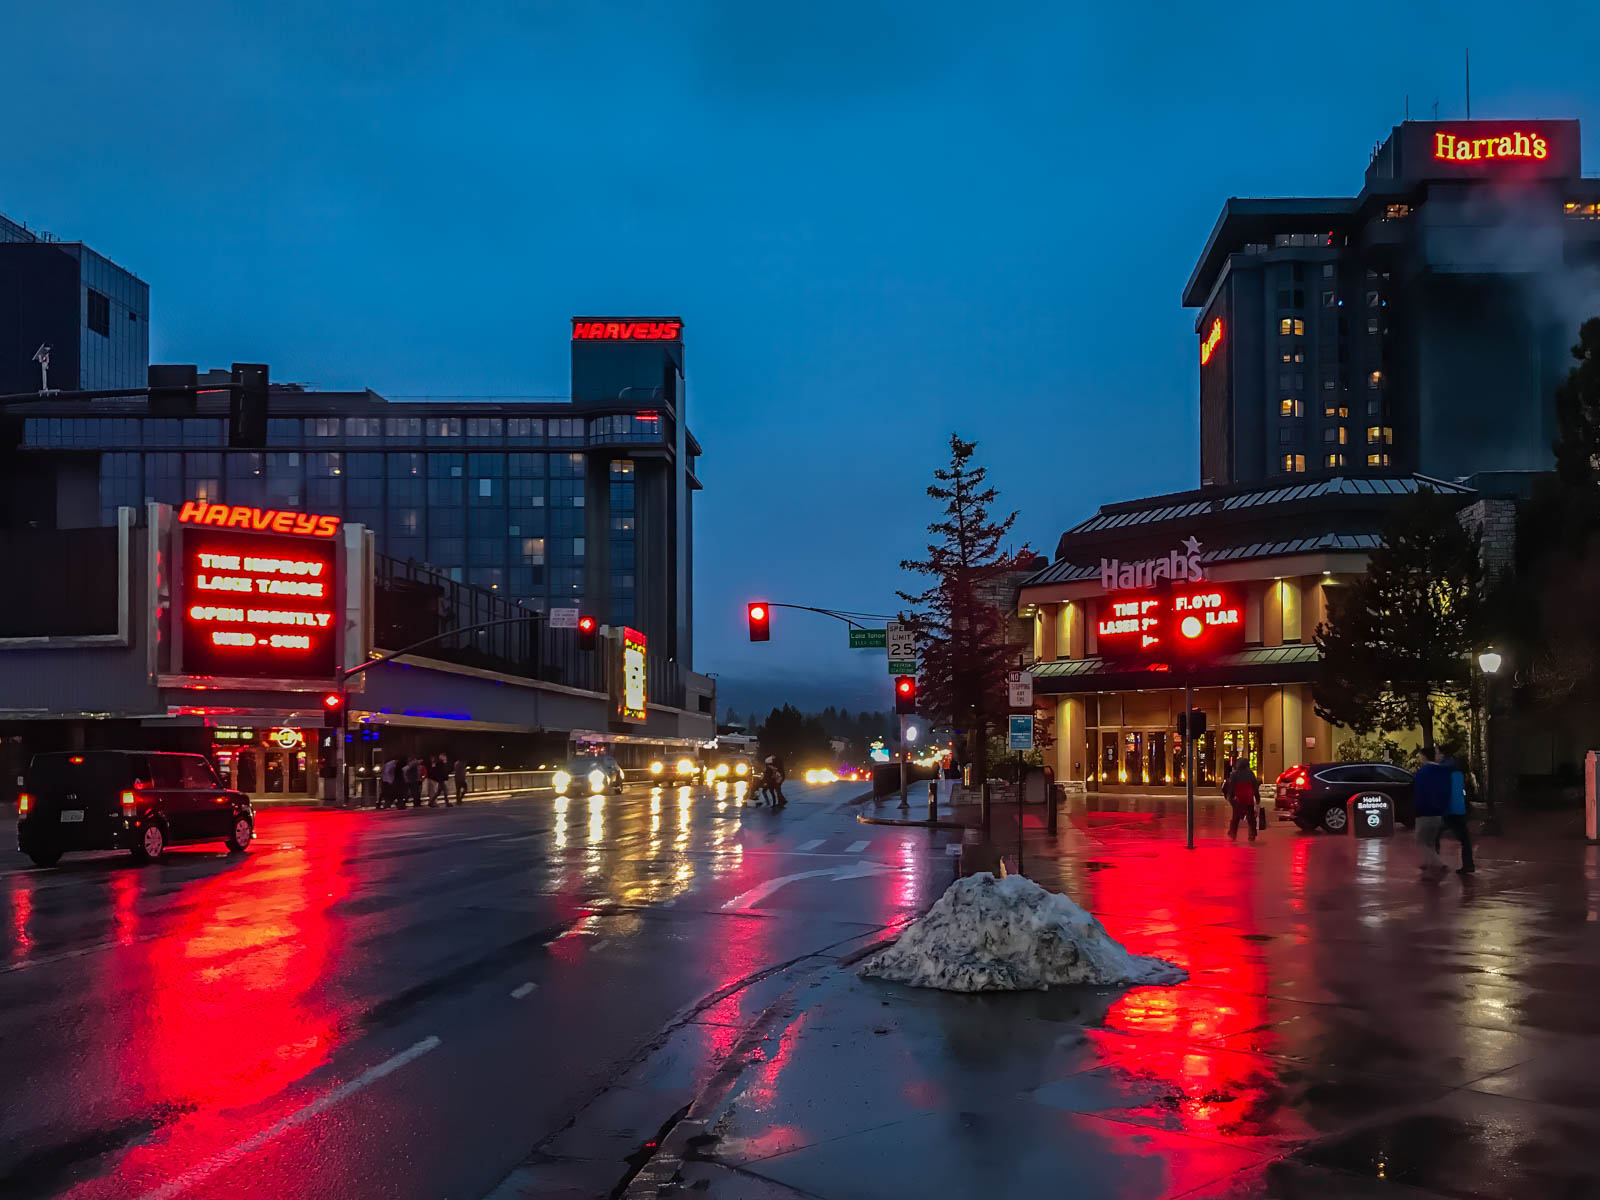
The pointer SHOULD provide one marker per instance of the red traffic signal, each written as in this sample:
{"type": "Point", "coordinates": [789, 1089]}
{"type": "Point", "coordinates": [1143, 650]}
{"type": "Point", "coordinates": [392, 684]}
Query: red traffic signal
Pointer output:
{"type": "Point", "coordinates": [905, 694]}
{"type": "Point", "coordinates": [760, 615]}
{"type": "Point", "coordinates": [587, 628]}
{"type": "Point", "coordinates": [332, 710]}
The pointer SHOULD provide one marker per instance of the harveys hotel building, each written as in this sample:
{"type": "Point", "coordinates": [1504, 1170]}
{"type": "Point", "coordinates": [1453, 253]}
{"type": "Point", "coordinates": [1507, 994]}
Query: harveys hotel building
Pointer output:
{"type": "Point", "coordinates": [1351, 350]}
{"type": "Point", "coordinates": [186, 592]}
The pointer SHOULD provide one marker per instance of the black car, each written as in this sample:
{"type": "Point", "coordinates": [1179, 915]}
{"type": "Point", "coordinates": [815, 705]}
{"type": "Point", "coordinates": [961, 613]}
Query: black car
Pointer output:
{"type": "Point", "coordinates": [140, 801]}
{"type": "Point", "coordinates": [1318, 795]}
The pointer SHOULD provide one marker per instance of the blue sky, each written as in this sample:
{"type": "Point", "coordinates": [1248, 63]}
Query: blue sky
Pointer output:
{"type": "Point", "coordinates": [880, 222]}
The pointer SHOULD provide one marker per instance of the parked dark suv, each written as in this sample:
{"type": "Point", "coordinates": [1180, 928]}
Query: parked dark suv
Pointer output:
{"type": "Point", "coordinates": [1318, 795]}
{"type": "Point", "coordinates": [126, 800]}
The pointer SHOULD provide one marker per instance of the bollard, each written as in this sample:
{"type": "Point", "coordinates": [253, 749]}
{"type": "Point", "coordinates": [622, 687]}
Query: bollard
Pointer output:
{"type": "Point", "coordinates": [933, 798]}
{"type": "Point", "coordinates": [1052, 816]}
{"type": "Point", "coordinates": [983, 806]}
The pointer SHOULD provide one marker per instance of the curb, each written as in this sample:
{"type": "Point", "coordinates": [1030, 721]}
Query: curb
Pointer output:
{"type": "Point", "coordinates": [928, 823]}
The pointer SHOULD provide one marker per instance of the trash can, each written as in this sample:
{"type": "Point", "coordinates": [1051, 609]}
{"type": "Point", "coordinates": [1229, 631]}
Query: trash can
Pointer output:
{"type": "Point", "coordinates": [1372, 815]}
{"type": "Point", "coordinates": [966, 775]}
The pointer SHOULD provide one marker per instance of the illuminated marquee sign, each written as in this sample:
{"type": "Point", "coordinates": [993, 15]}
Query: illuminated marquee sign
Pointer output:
{"type": "Point", "coordinates": [1179, 566]}
{"type": "Point", "coordinates": [257, 520]}
{"type": "Point", "coordinates": [256, 604]}
{"type": "Point", "coordinates": [1213, 340]}
{"type": "Point", "coordinates": [634, 684]}
{"type": "Point", "coordinates": [1173, 625]}
{"type": "Point", "coordinates": [1448, 147]}
{"type": "Point", "coordinates": [657, 330]}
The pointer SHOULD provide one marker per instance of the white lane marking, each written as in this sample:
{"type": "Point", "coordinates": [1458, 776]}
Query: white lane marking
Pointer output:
{"type": "Point", "coordinates": [525, 990]}
{"type": "Point", "coordinates": [808, 847]}
{"type": "Point", "coordinates": [217, 1162]}
{"type": "Point", "coordinates": [856, 847]}
{"type": "Point", "coordinates": [761, 891]}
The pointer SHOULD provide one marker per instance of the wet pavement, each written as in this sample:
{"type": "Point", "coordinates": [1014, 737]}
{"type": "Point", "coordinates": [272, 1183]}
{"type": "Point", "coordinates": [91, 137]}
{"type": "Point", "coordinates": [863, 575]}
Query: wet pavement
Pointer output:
{"type": "Point", "coordinates": [1347, 1030]}
{"type": "Point", "coordinates": [406, 1004]}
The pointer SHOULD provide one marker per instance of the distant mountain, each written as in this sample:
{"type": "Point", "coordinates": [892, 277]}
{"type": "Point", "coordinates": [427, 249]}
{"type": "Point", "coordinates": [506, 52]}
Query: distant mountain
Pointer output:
{"type": "Point", "coordinates": [761, 695]}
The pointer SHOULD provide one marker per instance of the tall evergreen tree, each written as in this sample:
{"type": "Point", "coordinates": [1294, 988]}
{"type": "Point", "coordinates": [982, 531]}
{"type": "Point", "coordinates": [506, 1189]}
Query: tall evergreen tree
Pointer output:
{"type": "Point", "coordinates": [1399, 637]}
{"type": "Point", "coordinates": [1578, 415]}
{"type": "Point", "coordinates": [962, 631]}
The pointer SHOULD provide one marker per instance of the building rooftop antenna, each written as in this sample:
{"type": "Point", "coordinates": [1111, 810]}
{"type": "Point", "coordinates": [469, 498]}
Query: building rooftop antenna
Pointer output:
{"type": "Point", "coordinates": [1468, 53]}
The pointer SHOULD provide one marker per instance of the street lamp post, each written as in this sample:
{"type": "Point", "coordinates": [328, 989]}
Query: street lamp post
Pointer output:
{"type": "Point", "coordinates": [1489, 662]}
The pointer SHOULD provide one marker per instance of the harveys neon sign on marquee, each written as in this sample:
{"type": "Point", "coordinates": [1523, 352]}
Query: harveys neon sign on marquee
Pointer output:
{"type": "Point", "coordinates": [626, 331]}
{"type": "Point", "coordinates": [257, 603]}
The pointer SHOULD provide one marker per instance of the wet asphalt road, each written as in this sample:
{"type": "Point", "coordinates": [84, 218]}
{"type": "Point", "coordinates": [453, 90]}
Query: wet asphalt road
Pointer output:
{"type": "Point", "coordinates": [401, 1004]}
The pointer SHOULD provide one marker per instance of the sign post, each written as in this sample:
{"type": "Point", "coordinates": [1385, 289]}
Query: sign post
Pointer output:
{"type": "Point", "coordinates": [1021, 738]}
{"type": "Point", "coordinates": [563, 618]}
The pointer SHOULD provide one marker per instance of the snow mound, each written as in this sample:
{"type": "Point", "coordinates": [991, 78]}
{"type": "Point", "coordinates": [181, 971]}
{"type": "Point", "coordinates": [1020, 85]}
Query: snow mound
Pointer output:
{"type": "Point", "coordinates": [1006, 935]}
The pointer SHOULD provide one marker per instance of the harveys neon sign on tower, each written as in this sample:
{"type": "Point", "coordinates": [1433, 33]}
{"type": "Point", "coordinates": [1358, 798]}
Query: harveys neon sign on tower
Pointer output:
{"type": "Point", "coordinates": [254, 603]}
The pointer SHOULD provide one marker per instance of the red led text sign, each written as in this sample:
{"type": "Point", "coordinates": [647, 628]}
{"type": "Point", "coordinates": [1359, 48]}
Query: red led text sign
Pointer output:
{"type": "Point", "coordinates": [257, 520]}
{"type": "Point", "coordinates": [1170, 625]}
{"type": "Point", "coordinates": [258, 605]}
{"type": "Point", "coordinates": [1448, 147]}
{"type": "Point", "coordinates": [1213, 340]}
{"type": "Point", "coordinates": [584, 330]}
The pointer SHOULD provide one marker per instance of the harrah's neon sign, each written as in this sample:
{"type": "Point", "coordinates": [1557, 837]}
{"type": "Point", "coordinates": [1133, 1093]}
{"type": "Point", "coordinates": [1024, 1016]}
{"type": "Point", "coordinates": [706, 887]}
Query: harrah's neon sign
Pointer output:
{"type": "Point", "coordinates": [626, 331]}
{"type": "Point", "coordinates": [1447, 147]}
{"type": "Point", "coordinates": [1180, 565]}
{"type": "Point", "coordinates": [1213, 340]}
{"type": "Point", "coordinates": [259, 520]}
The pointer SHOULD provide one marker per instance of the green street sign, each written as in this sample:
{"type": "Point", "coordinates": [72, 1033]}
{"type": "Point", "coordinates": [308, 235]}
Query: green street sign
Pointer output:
{"type": "Point", "coordinates": [868, 639]}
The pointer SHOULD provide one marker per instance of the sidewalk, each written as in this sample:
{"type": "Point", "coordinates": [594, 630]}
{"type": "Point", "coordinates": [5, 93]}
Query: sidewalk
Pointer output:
{"type": "Point", "coordinates": [1347, 1030]}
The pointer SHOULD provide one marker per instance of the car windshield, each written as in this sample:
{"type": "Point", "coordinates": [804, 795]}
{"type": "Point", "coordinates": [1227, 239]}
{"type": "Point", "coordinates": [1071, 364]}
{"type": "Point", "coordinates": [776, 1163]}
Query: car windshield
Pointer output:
{"type": "Point", "coordinates": [589, 762]}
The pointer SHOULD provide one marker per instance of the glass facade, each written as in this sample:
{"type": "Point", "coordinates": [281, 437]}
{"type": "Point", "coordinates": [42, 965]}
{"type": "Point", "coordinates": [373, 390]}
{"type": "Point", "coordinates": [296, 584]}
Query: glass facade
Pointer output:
{"type": "Point", "coordinates": [622, 545]}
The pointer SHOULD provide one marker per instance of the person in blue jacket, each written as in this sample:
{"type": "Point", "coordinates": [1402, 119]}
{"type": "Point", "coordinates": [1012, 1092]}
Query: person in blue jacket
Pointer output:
{"type": "Point", "coordinates": [1430, 793]}
{"type": "Point", "coordinates": [1455, 817]}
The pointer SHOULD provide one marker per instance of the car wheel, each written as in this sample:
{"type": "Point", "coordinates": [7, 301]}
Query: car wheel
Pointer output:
{"type": "Point", "coordinates": [238, 841]}
{"type": "Point", "coordinates": [1335, 818]}
{"type": "Point", "coordinates": [45, 857]}
{"type": "Point", "coordinates": [152, 843]}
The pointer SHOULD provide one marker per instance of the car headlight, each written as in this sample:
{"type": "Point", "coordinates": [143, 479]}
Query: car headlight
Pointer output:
{"type": "Point", "coordinates": [686, 766]}
{"type": "Point", "coordinates": [562, 781]}
{"type": "Point", "coordinates": [657, 767]}
{"type": "Point", "coordinates": [722, 768]}
{"type": "Point", "coordinates": [742, 769]}
{"type": "Point", "coordinates": [597, 780]}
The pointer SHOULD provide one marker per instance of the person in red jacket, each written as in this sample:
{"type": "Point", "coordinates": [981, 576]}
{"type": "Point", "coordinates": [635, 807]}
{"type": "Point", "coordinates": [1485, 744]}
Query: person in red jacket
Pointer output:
{"type": "Point", "coordinates": [1242, 789]}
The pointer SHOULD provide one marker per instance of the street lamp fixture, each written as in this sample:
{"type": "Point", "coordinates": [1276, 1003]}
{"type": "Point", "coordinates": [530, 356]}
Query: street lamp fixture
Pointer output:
{"type": "Point", "coordinates": [911, 733]}
{"type": "Point", "coordinates": [1489, 661]}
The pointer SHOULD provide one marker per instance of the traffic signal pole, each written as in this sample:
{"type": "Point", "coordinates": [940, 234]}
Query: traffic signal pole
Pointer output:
{"type": "Point", "coordinates": [1188, 758]}
{"type": "Point", "coordinates": [903, 802]}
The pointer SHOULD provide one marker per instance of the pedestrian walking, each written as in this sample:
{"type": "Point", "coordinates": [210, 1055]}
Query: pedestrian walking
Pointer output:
{"type": "Point", "coordinates": [1455, 817]}
{"type": "Point", "coordinates": [412, 776]}
{"type": "Point", "coordinates": [1242, 789]}
{"type": "Point", "coordinates": [389, 782]}
{"type": "Point", "coordinates": [1430, 792]}
{"type": "Point", "coordinates": [777, 785]}
{"type": "Point", "coordinates": [461, 779]}
{"type": "Point", "coordinates": [437, 773]}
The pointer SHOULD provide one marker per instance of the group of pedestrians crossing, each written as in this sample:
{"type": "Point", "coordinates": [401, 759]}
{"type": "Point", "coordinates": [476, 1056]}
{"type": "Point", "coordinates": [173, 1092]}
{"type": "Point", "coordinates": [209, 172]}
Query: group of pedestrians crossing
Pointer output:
{"type": "Point", "coordinates": [404, 780]}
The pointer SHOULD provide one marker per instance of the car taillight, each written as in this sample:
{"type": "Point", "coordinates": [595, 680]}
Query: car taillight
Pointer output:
{"type": "Point", "coordinates": [24, 803]}
{"type": "Point", "coordinates": [129, 801]}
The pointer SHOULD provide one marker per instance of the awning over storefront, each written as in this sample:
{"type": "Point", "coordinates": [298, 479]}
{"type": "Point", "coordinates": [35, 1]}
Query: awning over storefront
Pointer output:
{"type": "Point", "coordinates": [1297, 663]}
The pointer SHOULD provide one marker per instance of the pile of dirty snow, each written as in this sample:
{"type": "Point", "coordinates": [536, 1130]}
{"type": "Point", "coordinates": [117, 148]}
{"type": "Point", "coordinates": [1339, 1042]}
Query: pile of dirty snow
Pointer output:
{"type": "Point", "coordinates": [1001, 935]}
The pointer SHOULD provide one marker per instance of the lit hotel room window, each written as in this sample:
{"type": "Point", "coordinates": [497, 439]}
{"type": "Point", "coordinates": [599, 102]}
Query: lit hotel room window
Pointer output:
{"type": "Point", "coordinates": [1380, 433]}
{"type": "Point", "coordinates": [1337, 434]}
{"type": "Point", "coordinates": [1335, 410]}
{"type": "Point", "coordinates": [1377, 460]}
{"type": "Point", "coordinates": [1395, 212]}
{"type": "Point", "coordinates": [1293, 463]}
{"type": "Point", "coordinates": [1334, 460]}
{"type": "Point", "coordinates": [1289, 408]}
{"type": "Point", "coordinates": [1374, 379]}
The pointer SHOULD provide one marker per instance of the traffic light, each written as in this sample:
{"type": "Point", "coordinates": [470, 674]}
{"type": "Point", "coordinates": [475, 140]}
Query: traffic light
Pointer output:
{"type": "Point", "coordinates": [905, 694]}
{"type": "Point", "coordinates": [760, 621]}
{"type": "Point", "coordinates": [332, 710]}
{"type": "Point", "coordinates": [588, 631]}
{"type": "Point", "coordinates": [247, 407]}
{"type": "Point", "coordinates": [1192, 724]}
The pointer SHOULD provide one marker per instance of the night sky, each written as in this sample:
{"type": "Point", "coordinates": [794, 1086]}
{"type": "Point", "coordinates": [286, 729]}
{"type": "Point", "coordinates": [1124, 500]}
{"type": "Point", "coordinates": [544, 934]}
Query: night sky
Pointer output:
{"type": "Point", "coordinates": [880, 222]}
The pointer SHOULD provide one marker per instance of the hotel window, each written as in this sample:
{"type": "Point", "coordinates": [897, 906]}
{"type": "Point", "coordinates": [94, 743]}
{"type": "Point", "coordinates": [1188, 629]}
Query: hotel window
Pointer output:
{"type": "Point", "coordinates": [1377, 460]}
{"type": "Point", "coordinates": [324, 427]}
{"type": "Point", "coordinates": [1335, 410]}
{"type": "Point", "coordinates": [1581, 209]}
{"type": "Point", "coordinates": [1327, 299]}
{"type": "Point", "coordinates": [1286, 327]}
{"type": "Point", "coordinates": [1372, 299]}
{"type": "Point", "coordinates": [1333, 460]}
{"type": "Point", "coordinates": [363, 429]}
{"type": "Point", "coordinates": [1336, 433]}
{"type": "Point", "coordinates": [1290, 407]}
{"type": "Point", "coordinates": [1327, 270]}
{"type": "Point", "coordinates": [1293, 463]}
{"type": "Point", "coordinates": [1286, 435]}
{"type": "Point", "coordinates": [99, 313]}
{"type": "Point", "coordinates": [403, 429]}
{"type": "Point", "coordinates": [1375, 379]}
{"type": "Point", "coordinates": [1380, 433]}
{"type": "Point", "coordinates": [442, 428]}
{"type": "Point", "coordinates": [1395, 212]}
{"type": "Point", "coordinates": [1372, 324]}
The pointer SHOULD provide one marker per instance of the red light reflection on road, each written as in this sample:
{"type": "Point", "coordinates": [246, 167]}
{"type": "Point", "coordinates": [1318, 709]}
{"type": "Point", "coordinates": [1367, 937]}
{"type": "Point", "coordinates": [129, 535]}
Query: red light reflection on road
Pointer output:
{"type": "Point", "coordinates": [21, 919]}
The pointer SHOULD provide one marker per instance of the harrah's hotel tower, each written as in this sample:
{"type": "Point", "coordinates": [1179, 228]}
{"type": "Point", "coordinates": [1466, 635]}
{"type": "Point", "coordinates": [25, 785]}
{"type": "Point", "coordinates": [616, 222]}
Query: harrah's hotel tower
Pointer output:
{"type": "Point", "coordinates": [1420, 326]}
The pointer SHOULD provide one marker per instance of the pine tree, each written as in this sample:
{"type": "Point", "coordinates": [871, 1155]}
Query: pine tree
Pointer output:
{"type": "Point", "coordinates": [961, 632]}
{"type": "Point", "coordinates": [1399, 638]}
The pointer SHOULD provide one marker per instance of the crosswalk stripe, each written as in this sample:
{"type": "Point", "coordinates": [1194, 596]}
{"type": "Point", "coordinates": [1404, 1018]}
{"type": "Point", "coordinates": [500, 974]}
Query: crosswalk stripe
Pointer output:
{"type": "Point", "coordinates": [808, 847]}
{"type": "Point", "coordinates": [856, 847]}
